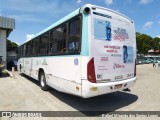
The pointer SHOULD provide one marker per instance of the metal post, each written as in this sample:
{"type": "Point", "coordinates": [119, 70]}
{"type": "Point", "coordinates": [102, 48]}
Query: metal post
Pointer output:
{"type": "Point", "coordinates": [13, 73]}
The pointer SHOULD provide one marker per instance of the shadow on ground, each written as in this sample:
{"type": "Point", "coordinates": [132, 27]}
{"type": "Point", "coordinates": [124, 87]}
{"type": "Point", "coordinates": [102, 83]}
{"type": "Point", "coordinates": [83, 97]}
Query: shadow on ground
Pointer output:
{"type": "Point", "coordinates": [95, 106]}
{"type": "Point", "coordinates": [99, 105]}
{"type": "Point", "coordinates": [4, 74]}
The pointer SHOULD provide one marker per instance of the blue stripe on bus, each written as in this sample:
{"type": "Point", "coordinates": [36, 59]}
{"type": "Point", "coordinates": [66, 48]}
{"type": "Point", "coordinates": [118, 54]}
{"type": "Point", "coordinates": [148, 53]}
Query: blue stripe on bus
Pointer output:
{"type": "Point", "coordinates": [103, 15]}
{"type": "Point", "coordinates": [85, 40]}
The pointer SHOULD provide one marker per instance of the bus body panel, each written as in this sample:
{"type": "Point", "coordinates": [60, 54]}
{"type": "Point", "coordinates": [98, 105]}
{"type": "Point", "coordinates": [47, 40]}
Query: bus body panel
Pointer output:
{"type": "Point", "coordinates": [56, 71]}
{"type": "Point", "coordinates": [85, 49]}
{"type": "Point", "coordinates": [113, 46]}
{"type": "Point", "coordinates": [110, 68]}
{"type": "Point", "coordinates": [27, 66]}
{"type": "Point", "coordinates": [95, 89]}
{"type": "Point", "coordinates": [58, 67]}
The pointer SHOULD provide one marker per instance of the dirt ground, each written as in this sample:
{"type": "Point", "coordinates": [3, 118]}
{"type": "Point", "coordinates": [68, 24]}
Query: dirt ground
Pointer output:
{"type": "Point", "coordinates": [24, 94]}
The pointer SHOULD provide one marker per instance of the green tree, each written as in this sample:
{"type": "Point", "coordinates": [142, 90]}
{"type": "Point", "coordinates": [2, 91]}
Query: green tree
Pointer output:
{"type": "Point", "coordinates": [143, 44]}
{"type": "Point", "coordinates": [11, 45]}
{"type": "Point", "coordinates": [146, 42]}
{"type": "Point", "coordinates": [139, 42]}
{"type": "Point", "coordinates": [156, 43]}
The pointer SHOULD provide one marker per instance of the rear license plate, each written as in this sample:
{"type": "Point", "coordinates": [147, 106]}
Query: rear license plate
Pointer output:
{"type": "Point", "coordinates": [118, 86]}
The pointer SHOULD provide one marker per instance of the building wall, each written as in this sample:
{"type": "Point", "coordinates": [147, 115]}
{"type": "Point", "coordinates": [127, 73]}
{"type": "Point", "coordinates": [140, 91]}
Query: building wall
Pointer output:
{"type": "Point", "coordinates": [3, 46]}
{"type": "Point", "coordinates": [7, 23]}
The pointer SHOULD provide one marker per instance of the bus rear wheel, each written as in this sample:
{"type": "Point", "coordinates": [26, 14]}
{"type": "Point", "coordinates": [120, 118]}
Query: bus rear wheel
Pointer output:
{"type": "Point", "coordinates": [42, 80]}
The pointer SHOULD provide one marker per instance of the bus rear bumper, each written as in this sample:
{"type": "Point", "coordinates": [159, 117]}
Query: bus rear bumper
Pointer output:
{"type": "Point", "coordinates": [95, 89]}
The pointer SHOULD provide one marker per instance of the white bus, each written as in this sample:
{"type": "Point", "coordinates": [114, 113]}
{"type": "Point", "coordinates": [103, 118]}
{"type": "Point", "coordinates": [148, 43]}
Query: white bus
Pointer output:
{"type": "Point", "coordinates": [90, 52]}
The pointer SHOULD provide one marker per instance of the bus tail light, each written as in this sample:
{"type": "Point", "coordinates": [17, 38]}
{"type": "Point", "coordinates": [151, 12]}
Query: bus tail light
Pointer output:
{"type": "Point", "coordinates": [91, 71]}
{"type": "Point", "coordinates": [135, 69]}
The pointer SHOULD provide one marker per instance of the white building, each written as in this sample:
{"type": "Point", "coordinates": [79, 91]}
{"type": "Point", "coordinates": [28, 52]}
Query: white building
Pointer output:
{"type": "Point", "coordinates": [6, 27]}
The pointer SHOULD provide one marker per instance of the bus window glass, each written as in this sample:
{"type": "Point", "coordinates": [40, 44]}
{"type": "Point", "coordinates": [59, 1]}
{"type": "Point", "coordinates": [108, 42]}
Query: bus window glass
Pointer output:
{"type": "Point", "coordinates": [44, 46]}
{"type": "Point", "coordinates": [58, 40]}
{"type": "Point", "coordinates": [74, 36]}
{"type": "Point", "coordinates": [35, 48]}
{"type": "Point", "coordinates": [29, 48]}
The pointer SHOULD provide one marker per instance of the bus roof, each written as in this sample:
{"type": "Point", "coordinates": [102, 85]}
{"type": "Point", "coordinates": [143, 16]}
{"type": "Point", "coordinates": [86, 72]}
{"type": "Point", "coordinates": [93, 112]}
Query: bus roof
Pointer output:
{"type": "Point", "coordinates": [107, 9]}
{"type": "Point", "coordinates": [74, 13]}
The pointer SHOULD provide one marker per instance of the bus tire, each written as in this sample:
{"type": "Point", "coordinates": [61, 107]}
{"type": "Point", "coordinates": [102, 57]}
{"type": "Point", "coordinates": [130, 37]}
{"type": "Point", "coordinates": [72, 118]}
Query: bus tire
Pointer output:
{"type": "Point", "coordinates": [42, 80]}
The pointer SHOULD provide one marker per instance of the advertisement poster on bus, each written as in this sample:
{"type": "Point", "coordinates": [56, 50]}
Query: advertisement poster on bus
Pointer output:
{"type": "Point", "coordinates": [113, 49]}
{"type": "Point", "coordinates": [102, 30]}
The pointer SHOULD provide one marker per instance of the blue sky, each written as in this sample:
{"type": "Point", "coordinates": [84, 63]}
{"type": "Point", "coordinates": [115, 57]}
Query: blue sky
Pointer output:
{"type": "Point", "coordinates": [32, 16]}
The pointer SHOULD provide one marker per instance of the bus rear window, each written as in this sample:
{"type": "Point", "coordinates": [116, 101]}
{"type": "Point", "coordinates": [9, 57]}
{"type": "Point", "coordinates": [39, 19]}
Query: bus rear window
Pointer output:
{"type": "Point", "coordinates": [102, 30]}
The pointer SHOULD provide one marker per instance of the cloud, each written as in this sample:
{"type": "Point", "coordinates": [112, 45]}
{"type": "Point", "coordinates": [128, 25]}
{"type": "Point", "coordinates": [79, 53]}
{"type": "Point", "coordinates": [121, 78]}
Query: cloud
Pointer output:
{"type": "Point", "coordinates": [159, 22]}
{"type": "Point", "coordinates": [148, 25]}
{"type": "Point", "coordinates": [29, 37]}
{"type": "Point", "coordinates": [30, 5]}
{"type": "Point", "coordinates": [145, 1]}
{"type": "Point", "coordinates": [158, 36]}
{"type": "Point", "coordinates": [39, 7]}
{"type": "Point", "coordinates": [28, 18]}
{"type": "Point", "coordinates": [78, 1]}
{"type": "Point", "coordinates": [108, 2]}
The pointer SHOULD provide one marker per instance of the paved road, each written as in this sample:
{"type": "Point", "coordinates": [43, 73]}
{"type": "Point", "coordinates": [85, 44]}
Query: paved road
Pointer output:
{"type": "Point", "coordinates": [24, 94]}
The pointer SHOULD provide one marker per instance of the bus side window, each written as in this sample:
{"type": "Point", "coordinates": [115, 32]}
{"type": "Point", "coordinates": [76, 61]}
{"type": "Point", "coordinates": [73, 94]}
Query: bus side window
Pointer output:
{"type": "Point", "coordinates": [54, 48]}
{"type": "Point", "coordinates": [58, 40]}
{"type": "Point", "coordinates": [74, 36]}
{"type": "Point", "coordinates": [44, 44]}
